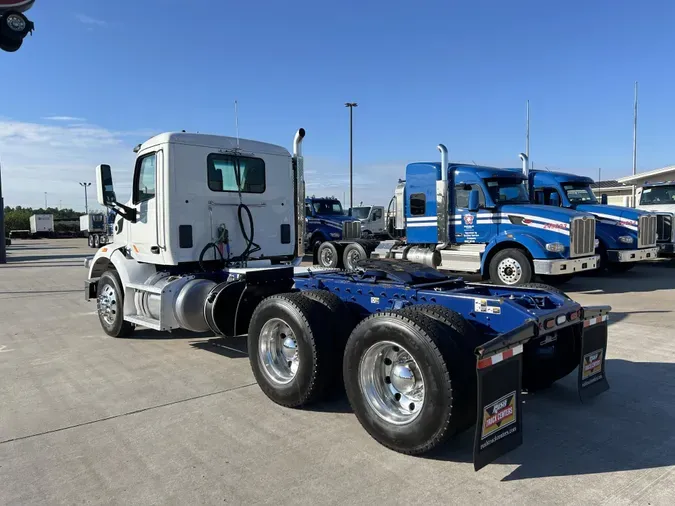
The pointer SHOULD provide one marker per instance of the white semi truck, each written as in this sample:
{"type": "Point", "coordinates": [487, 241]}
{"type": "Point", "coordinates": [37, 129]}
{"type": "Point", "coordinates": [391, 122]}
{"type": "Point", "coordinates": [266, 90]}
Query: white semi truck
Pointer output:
{"type": "Point", "coordinates": [212, 238]}
{"type": "Point", "coordinates": [372, 218]}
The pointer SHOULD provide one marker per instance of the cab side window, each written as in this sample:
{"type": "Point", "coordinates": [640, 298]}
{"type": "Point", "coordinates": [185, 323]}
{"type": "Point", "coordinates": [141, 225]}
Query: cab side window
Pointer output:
{"type": "Point", "coordinates": [145, 179]}
{"type": "Point", "coordinates": [462, 192]}
{"type": "Point", "coordinates": [308, 210]}
{"type": "Point", "coordinates": [377, 214]}
{"type": "Point", "coordinates": [544, 197]}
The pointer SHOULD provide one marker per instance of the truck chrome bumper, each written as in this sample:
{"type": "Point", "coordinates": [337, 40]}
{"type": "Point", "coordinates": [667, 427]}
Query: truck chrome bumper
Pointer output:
{"type": "Point", "coordinates": [566, 265]}
{"type": "Point", "coordinates": [632, 255]}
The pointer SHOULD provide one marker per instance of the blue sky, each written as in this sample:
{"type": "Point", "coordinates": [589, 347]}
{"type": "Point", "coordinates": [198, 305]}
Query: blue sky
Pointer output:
{"type": "Point", "coordinates": [96, 78]}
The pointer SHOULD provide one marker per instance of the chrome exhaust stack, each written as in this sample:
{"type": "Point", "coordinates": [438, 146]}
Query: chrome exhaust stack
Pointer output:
{"type": "Point", "coordinates": [298, 165]}
{"type": "Point", "coordinates": [442, 200]}
{"type": "Point", "coordinates": [526, 172]}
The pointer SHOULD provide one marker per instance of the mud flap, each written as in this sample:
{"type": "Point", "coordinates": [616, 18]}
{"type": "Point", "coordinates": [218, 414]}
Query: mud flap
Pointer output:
{"type": "Point", "coordinates": [499, 422]}
{"type": "Point", "coordinates": [592, 377]}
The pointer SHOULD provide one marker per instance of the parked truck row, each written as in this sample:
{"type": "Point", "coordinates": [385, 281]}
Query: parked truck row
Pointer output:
{"type": "Point", "coordinates": [507, 225]}
{"type": "Point", "coordinates": [212, 239]}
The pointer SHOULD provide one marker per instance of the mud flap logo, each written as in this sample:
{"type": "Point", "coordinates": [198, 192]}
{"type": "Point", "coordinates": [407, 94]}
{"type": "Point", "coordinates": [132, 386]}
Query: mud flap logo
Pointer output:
{"type": "Point", "coordinates": [498, 415]}
{"type": "Point", "coordinates": [592, 364]}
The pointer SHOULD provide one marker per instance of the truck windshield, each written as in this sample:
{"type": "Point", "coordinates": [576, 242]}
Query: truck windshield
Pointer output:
{"type": "Point", "coordinates": [658, 195]}
{"type": "Point", "coordinates": [360, 213]}
{"type": "Point", "coordinates": [579, 194]}
{"type": "Point", "coordinates": [330, 207]}
{"type": "Point", "coordinates": [507, 190]}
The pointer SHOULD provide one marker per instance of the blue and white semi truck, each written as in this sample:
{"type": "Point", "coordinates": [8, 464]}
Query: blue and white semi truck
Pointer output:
{"type": "Point", "coordinates": [475, 219]}
{"type": "Point", "coordinates": [326, 220]}
{"type": "Point", "coordinates": [626, 236]}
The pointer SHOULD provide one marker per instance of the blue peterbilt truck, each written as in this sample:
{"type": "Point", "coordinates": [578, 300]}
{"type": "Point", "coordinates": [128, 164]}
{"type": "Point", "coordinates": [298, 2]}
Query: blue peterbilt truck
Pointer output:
{"type": "Point", "coordinates": [326, 220]}
{"type": "Point", "coordinates": [626, 235]}
{"type": "Point", "coordinates": [476, 219]}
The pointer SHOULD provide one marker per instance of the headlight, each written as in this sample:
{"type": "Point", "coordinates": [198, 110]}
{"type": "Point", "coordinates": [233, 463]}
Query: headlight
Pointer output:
{"type": "Point", "coordinates": [626, 239]}
{"type": "Point", "coordinates": [555, 247]}
{"type": "Point", "coordinates": [335, 235]}
{"type": "Point", "coordinates": [597, 243]}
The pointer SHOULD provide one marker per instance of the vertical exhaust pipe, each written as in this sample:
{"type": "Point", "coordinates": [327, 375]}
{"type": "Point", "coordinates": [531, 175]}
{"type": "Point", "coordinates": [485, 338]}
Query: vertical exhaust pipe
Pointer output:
{"type": "Point", "coordinates": [526, 172]}
{"type": "Point", "coordinates": [298, 165]}
{"type": "Point", "coordinates": [442, 200]}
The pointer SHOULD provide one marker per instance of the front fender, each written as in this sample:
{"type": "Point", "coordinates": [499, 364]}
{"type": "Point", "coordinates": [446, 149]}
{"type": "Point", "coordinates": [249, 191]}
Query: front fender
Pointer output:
{"type": "Point", "coordinates": [609, 235]}
{"type": "Point", "coordinates": [128, 269]}
{"type": "Point", "coordinates": [533, 244]}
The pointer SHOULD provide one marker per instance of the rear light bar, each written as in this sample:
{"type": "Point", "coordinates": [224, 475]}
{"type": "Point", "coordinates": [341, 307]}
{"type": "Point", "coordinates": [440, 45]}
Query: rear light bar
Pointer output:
{"type": "Point", "coordinates": [561, 319]}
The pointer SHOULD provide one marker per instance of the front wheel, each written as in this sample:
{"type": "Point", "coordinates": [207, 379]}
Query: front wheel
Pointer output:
{"type": "Point", "coordinates": [510, 267]}
{"type": "Point", "coordinates": [110, 305]}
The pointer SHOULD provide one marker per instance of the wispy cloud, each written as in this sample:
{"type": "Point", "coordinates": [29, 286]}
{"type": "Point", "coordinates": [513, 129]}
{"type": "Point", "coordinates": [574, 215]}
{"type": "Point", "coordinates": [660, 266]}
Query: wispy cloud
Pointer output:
{"type": "Point", "coordinates": [64, 118]}
{"type": "Point", "coordinates": [88, 20]}
{"type": "Point", "coordinates": [52, 157]}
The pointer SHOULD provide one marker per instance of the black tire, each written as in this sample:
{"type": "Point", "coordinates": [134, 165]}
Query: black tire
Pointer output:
{"type": "Point", "coordinates": [8, 32]}
{"type": "Point", "coordinates": [110, 305]}
{"type": "Point", "coordinates": [438, 418]}
{"type": "Point", "coordinates": [352, 254]}
{"type": "Point", "coordinates": [309, 322]}
{"type": "Point", "coordinates": [518, 257]}
{"type": "Point", "coordinates": [460, 344]}
{"type": "Point", "coordinates": [102, 240]}
{"type": "Point", "coordinates": [97, 242]}
{"type": "Point", "coordinates": [548, 288]}
{"type": "Point", "coordinates": [328, 255]}
{"type": "Point", "coordinates": [544, 365]}
{"type": "Point", "coordinates": [556, 280]}
{"type": "Point", "coordinates": [90, 241]}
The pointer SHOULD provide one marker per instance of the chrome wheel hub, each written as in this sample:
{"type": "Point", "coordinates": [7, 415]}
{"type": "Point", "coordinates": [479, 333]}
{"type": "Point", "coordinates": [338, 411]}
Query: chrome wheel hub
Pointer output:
{"type": "Point", "coordinates": [391, 382]}
{"type": "Point", "coordinates": [353, 257]}
{"type": "Point", "coordinates": [509, 271]}
{"type": "Point", "coordinates": [326, 257]}
{"type": "Point", "coordinates": [107, 304]}
{"type": "Point", "coordinates": [278, 351]}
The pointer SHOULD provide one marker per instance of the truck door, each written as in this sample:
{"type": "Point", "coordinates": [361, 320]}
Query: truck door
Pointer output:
{"type": "Point", "coordinates": [143, 233]}
{"type": "Point", "coordinates": [471, 228]}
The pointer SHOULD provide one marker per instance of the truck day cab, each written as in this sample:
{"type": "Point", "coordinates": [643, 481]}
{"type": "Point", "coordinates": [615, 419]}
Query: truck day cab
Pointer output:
{"type": "Point", "coordinates": [211, 240]}
{"type": "Point", "coordinates": [479, 220]}
{"type": "Point", "coordinates": [625, 235]}
{"type": "Point", "coordinates": [326, 220]}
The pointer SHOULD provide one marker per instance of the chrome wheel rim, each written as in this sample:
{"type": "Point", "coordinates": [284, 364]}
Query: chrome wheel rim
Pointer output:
{"type": "Point", "coordinates": [352, 257]}
{"type": "Point", "coordinates": [278, 351]}
{"type": "Point", "coordinates": [326, 257]}
{"type": "Point", "coordinates": [509, 271]}
{"type": "Point", "coordinates": [107, 304]}
{"type": "Point", "coordinates": [391, 382]}
{"type": "Point", "coordinates": [16, 23]}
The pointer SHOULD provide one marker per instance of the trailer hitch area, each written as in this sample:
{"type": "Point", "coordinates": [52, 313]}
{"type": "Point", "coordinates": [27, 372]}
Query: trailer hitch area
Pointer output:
{"type": "Point", "coordinates": [592, 378]}
{"type": "Point", "coordinates": [499, 422]}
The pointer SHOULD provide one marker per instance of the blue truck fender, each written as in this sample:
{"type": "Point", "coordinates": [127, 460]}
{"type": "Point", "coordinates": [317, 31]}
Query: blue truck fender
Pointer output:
{"type": "Point", "coordinates": [607, 238]}
{"type": "Point", "coordinates": [534, 246]}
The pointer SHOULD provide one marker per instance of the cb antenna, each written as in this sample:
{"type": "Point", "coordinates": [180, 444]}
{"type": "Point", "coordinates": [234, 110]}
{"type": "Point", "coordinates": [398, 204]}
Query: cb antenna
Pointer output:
{"type": "Point", "coordinates": [236, 121]}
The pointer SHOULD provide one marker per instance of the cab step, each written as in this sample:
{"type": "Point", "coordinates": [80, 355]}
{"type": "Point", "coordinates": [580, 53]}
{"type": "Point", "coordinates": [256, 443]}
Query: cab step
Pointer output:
{"type": "Point", "coordinates": [144, 288]}
{"type": "Point", "coordinates": [144, 321]}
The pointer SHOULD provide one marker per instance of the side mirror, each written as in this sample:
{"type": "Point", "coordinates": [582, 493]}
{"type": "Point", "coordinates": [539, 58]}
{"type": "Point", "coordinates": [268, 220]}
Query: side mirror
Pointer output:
{"type": "Point", "coordinates": [603, 199]}
{"type": "Point", "coordinates": [554, 199]}
{"type": "Point", "coordinates": [105, 192]}
{"type": "Point", "coordinates": [474, 199]}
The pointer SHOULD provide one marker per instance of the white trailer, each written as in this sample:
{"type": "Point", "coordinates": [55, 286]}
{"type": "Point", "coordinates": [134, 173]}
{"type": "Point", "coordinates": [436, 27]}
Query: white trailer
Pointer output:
{"type": "Point", "coordinates": [42, 225]}
{"type": "Point", "coordinates": [93, 225]}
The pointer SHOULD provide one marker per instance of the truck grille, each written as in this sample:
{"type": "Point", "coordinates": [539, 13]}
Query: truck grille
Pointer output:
{"type": "Point", "coordinates": [664, 227]}
{"type": "Point", "coordinates": [582, 237]}
{"type": "Point", "coordinates": [647, 231]}
{"type": "Point", "coordinates": [351, 230]}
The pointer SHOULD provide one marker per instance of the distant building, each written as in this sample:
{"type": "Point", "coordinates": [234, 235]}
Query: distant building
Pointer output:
{"type": "Point", "coordinates": [618, 194]}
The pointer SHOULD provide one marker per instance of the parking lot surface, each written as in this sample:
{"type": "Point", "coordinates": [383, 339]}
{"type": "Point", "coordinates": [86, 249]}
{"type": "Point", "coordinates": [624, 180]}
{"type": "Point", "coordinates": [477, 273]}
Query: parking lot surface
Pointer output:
{"type": "Point", "coordinates": [178, 419]}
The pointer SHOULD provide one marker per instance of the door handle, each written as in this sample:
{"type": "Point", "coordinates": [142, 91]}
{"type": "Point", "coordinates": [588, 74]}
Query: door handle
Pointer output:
{"type": "Point", "coordinates": [155, 250]}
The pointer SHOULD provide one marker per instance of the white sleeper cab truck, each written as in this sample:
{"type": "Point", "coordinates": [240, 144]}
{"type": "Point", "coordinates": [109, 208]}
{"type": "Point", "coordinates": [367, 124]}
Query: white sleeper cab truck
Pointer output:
{"type": "Point", "coordinates": [209, 241]}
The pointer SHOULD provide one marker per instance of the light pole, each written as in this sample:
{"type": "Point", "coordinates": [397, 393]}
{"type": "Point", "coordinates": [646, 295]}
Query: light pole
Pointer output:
{"type": "Point", "coordinates": [85, 185]}
{"type": "Point", "coordinates": [3, 251]}
{"type": "Point", "coordinates": [351, 106]}
{"type": "Point", "coordinates": [45, 201]}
